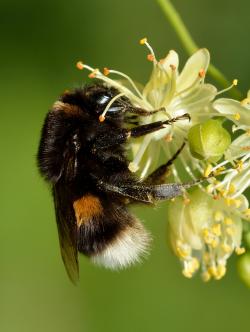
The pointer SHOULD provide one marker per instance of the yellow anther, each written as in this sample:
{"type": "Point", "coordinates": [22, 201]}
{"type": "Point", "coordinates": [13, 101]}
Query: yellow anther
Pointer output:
{"type": "Point", "coordinates": [143, 41]}
{"type": "Point", "coordinates": [106, 71]}
{"type": "Point", "coordinates": [202, 73]}
{"type": "Point", "coordinates": [183, 252]}
{"type": "Point", "coordinates": [214, 243]}
{"type": "Point", "coordinates": [235, 82]}
{"type": "Point", "coordinates": [221, 271]}
{"type": "Point", "coordinates": [231, 189]}
{"type": "Point", "coordinates": [240, 250]}
{"type": "Point", "coordinates": [248, 132]}
{"type": "Point", "coordinates": [218, 216]}
{"type": "Point", "coordinates": [206, 276]}
{"type": "Point", "coordinates": [228, 221]}
{"type": "Point", "coordinates": [216, 229]}
{"type": "Point", "coordinates": [219, 170]}
{"type": "Point", "coordinates": [195, 264]}
{"type": "Point", "coordinates": [79, 65]}
{"type": "Point", "coordinates": [229, 201]}
{"type": "Point", "coordinates": [226, 248]}
{"type": "Point", "coordinates": [237, 203]}
{"type": "Point", "coordinates": [237, 116]}
{"type": "Point", "coordinates": [212, 270]}
{"type": "Point", "coordinates": [208, 170]}
{"type": "Point", "coordinates": [230, 231]}
{"type": "Point", "coordinates": [206, 257]}
{"type": "Point", "coordinates": [187, 273]}
{"type": "Point", "coordinates": [205, 232]}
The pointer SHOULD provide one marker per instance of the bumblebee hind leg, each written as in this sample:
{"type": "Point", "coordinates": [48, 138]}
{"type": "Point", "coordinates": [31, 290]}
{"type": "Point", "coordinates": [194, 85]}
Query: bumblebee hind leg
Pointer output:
{"type": "Point", "coordinates": [159, 175]}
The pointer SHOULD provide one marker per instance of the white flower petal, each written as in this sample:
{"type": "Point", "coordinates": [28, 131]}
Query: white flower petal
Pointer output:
{"type": "Point", "coordinates": [170, 60]}
{"type": "Point", "coordinates": [198, 61]}
{"type": "Point", "coordinates": [233, 110]}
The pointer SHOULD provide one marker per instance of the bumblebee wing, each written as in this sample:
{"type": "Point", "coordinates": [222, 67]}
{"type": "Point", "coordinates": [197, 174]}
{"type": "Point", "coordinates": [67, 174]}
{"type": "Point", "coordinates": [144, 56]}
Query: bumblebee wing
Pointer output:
{"type": "Point", "coordinates": [67, 231]}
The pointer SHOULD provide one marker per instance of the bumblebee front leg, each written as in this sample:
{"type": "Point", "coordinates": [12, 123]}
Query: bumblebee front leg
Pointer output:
{"type": "Point", "coordinates": [154, 126]}
{"type": "Point", "coordinates": [159, 175]}
{"type": "Point", "coordinates": [114, 138]}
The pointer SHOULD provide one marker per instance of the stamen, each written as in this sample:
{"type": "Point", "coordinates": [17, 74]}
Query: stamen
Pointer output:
{"type": "Point", "coordinates": [94, 73]}
{"type": "Point", "coordinates": [234, 83]}
{"type": "Point", "coordinates": [102, 116]}
{"type": "Point", "coordinates": [107, 71]}
{"type": "Point", "coordinates": [144, 41]}
{"type": "Point", "coordinates": [79, 65]}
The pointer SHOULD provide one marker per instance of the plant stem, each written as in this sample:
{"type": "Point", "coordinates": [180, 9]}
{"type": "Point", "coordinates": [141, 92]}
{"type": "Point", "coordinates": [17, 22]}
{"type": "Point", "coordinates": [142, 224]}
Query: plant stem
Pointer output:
{"type": "Point", "coordinates": [189, 44]}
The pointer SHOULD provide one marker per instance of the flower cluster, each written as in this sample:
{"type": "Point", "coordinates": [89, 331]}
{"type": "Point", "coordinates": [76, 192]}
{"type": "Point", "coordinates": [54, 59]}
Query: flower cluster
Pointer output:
{"type": "Point", "coordinates": [206, 224]}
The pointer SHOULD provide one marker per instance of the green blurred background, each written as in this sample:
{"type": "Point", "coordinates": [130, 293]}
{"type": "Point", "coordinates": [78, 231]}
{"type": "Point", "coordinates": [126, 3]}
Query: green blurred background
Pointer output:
{"type": "Point", "coordinates": [40, 43]}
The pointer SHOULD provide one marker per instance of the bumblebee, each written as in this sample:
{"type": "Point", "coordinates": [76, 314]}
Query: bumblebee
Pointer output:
{"type": "Point", "coordinates": [84, 159]}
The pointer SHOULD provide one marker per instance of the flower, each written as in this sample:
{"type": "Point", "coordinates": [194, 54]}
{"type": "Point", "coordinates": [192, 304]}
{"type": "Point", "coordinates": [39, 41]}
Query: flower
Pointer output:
{"type": "Point", "coordinates": [204, 233]}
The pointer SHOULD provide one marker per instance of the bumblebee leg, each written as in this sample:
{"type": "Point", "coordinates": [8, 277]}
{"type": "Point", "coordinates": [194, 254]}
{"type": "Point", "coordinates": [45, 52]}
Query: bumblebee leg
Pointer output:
{"type": "Point", "coordinates": [145, 193]}
{"type": "Point", "coordinates": [110, 139]}
{"type": "Point", "coordinates": [154, 126]}
{"type": "Point", "coordinates": [158, 176]}
{"type": "Point", "coordinates": [143, 112]}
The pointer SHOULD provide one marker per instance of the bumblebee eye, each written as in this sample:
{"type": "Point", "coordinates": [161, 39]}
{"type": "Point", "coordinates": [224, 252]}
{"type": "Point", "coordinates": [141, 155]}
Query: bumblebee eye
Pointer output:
{"type": "Point", "coordinates": [103, 99]}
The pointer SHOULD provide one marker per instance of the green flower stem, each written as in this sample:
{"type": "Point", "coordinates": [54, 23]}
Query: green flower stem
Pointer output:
{"type": "Point", "coordinates": [190, 45]}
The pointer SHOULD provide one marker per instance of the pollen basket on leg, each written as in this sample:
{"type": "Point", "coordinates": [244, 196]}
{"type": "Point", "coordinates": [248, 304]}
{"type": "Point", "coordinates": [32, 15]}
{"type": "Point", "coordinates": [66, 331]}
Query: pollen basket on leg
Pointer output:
{"type": "Point", "coordinates": [86, 208]}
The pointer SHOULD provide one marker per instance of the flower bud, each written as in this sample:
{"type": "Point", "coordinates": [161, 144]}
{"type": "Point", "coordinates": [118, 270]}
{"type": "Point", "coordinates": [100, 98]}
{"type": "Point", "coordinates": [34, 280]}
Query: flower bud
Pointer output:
{"type": "Point", "coordinates": [244, 269]}
{"type": "Point", "coordinates": [208, 140]}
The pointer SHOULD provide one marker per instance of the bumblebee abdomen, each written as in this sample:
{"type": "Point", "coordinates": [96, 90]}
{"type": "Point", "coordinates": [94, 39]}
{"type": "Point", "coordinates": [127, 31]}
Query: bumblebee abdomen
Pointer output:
{"type": "Point", "coordinates": [110, 236]}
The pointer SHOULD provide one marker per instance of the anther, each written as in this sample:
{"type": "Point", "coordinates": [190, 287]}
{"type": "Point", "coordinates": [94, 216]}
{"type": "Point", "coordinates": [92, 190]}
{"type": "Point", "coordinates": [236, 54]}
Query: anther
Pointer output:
{"type": "Point", "coordinates": [151, 57]}
{"type": "Point", "coordinates": [202, 73]}
{"type": "Point", "coordinates": [240, 250]}
{"type": "Point", "coordinates": [93, 74]}
{"type": "Point", "coordinates": [79, 65]}
{"type": "Point", "coordinates": [173, 67]}
{"type": "Point", "coordinates": [226, 248]}
{"type": "Point", "coordinates": [106, 71]}
{"type": "Point", "coordinates": [101, 118]}
{"type": "Point", "coordinates": [208, 170]}
{"type": "Point", "coordinates": [237, 116]}
{"type": "Point", "coordinates": [143, 41]}
{"type": "Point", "coordinates": [235, 82]}
{"type": "Point", "coordinates": [168, 138]}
